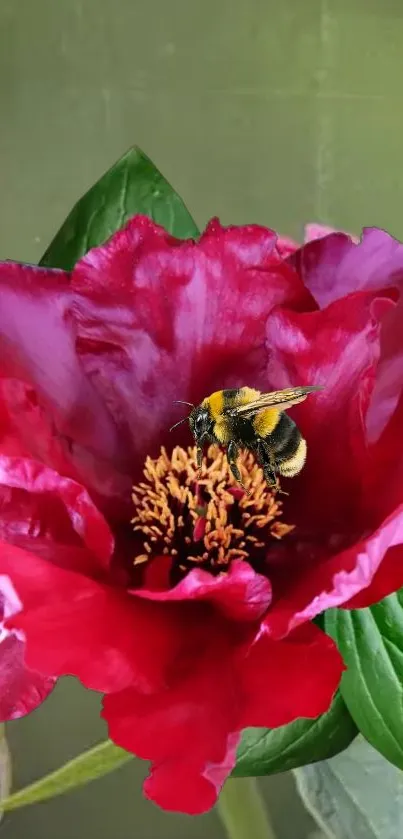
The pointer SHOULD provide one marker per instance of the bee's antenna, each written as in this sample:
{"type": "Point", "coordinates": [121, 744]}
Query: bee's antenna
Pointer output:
{"type": "Point", "coordinates": [178, 423]}
{"type": "Point", "coordinates": [181, 402]}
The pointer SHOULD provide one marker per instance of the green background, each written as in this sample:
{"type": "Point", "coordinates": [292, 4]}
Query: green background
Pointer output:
{"type": "Point", "coordinates": [273, 111]}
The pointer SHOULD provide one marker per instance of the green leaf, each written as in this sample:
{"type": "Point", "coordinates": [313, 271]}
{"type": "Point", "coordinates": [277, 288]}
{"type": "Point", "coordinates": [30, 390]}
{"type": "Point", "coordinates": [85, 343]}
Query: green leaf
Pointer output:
{"type": "Point", "coordinates": [133, 185]}
{"type": "Point", "coordinates": [98, 761]}
{"type": "Point", "coordinates": [371, 643]}
{"type": "Point", "coordinates": [356, 795]}
{"type": "Point", "coordinates": [264, 751]}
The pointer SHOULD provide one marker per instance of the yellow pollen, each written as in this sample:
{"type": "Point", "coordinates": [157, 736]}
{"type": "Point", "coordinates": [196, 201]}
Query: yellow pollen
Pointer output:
{"type": "Point", "coordinates": [205, 520]}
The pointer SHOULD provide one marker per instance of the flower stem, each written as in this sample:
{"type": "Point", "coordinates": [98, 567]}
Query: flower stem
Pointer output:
{"type": "Point", "coordinates": [242, 810]}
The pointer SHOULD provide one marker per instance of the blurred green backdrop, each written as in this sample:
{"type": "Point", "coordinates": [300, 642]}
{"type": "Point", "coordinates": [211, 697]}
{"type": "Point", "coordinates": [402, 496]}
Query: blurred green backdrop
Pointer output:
{"type": "Point", "coordinates": [258, 111]}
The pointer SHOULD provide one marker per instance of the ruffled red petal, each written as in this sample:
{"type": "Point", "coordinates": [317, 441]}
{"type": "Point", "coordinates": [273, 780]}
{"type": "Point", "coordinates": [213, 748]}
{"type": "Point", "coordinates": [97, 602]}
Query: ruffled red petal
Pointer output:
{"type": "Point", "coordinates": [386, 580]}
{"type": "Point", "coordinates": [160, 319]}
{"type": "Point", "coordinates": [338, 349]}
{"type": "Point", "coordinates": [241, 593]}
{"type": "Point", "coordinates": [295, 677]}
{"type": "Point", "coordinates": [335, 265]}
{"type": "Point", "coordinates": [75, 625]}
{"type": "Point", "coordinates": [234, 685]}
{"type": "Point", "coordinates": [337, 579]}
{"type": "Point", "coordinates": [38, 503]}
{"type": "Point", "coordinates": [47, 401]}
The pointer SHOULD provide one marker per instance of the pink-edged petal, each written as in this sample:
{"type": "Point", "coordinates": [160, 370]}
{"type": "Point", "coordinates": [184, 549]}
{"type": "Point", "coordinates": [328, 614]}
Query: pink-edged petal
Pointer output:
{"type": "Point", "coordinates": [387, 580]}
{"type": "Point", "coordinates": [21, 689]}
{"type": "Point", "coordinates": [286, 246]}
{"type": "Point", "coordinates": [385, 483]}
{"type": "Point", "coordinates": [314, 231]}
{"type": "Point", "coordinates": [284, 680]}
{"type": "Point", "coordinates": [75, 625]}
{"type": "Point", "coordinates": [335, 580]}
{"type": "Point", "coordinates": [336, 348]}
{"type": "Point", "coordinates": [38, 502]}
{"type": "Point", "coordinates": [240, 593]}
{"type": "Point", "coordinates": [336, 265]}
{"type": "Point", "coordinates": [151, 309]}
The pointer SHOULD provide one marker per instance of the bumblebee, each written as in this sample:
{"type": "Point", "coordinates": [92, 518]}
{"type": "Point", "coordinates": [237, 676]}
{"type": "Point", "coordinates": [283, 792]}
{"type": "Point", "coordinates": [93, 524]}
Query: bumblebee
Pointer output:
{"type": "Point", "coordinates": [246, 418]}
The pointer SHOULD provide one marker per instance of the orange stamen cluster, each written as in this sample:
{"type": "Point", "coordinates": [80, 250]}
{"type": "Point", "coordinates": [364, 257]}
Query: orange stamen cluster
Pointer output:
{"type": "Point", "coordinates": [208, 520]}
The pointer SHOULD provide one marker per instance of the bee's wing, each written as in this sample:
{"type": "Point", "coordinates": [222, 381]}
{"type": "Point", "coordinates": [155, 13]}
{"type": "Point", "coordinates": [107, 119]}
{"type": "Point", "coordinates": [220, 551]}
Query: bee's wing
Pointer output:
{"type": "Point", "coordinates": [280, 399]}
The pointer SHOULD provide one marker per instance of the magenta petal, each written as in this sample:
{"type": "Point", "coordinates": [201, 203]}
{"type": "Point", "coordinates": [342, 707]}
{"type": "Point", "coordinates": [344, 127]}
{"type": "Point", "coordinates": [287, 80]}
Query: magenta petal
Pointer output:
{"type": "Point", "coordinates": [70, 424]}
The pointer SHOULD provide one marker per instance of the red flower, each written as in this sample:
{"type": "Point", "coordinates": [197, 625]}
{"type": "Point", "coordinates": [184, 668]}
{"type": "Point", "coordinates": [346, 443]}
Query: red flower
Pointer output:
{"type": "Point", "coordinates": [91, 364]}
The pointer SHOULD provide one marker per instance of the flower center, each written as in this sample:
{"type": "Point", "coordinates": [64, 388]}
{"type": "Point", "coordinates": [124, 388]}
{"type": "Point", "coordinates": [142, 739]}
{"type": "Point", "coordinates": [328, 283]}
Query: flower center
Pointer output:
{"type": "Point", "coordinates": [204, 521]}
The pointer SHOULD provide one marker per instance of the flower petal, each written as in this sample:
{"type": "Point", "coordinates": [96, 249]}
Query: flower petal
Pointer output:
{"type": "Point", "coordinates": [49, 401]}
{"type": "Point", "coordinates": [240, 593]}
{"type": "Point", "coordinates": [337, 348]}
{"type": "Point", "coordinates": [74, 625]}
{"type": "Point", "coordinates": [185, 730]}
{"type": "Point", "coordinates": [190, 731]}
{"type": "Point", "coordinates": [284, 680]}
{"type": "Point", "coordinates": [337, 579]}
{"type": "Point", "coordinates": [334, 266]}
{"type": "Point", "coordinates": [38, 502]}
{"type": "Point", "coordinates": [319, 231]}
{"type": "Point", "coordinates": [21, 690]}
{"type": "Point", "coordinates": [386, 580]}
{"type": "Point", "coordinates": [148, 306]}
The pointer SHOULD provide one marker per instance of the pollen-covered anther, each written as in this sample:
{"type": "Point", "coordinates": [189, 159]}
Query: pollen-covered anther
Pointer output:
{"type": "Point", "coordinates": [204, 520]}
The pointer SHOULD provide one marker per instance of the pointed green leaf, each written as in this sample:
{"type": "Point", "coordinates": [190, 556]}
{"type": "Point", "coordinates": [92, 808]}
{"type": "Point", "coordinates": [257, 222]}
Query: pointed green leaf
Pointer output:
{"type": "Point", "coordinates": [356, 795]}
{"type": "Point", "coordinates": [133, 185]}
{"type": "Point", "coordinates": [265, 751]}
{"type": "Point", "coordinates": [98, 761]}
{"type": "Point", "coordinates": [371, 643]}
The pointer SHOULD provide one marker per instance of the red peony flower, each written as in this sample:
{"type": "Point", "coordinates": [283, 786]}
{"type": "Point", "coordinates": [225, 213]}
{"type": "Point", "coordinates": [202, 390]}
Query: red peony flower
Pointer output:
{"type": "Point", "coordinates": [187, 603]}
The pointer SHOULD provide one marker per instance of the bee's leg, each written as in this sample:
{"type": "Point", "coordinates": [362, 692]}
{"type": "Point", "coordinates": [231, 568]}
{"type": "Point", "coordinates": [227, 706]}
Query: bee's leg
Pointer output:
{"type": "Point", "coordinates": [266, 459]}
{"type": "Point", "coordinates": [232, 454]}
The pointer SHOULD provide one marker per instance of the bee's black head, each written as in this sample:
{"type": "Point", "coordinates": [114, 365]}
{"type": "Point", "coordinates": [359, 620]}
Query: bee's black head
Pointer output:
{"type": "Point", "coordinates": [200, 423]}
